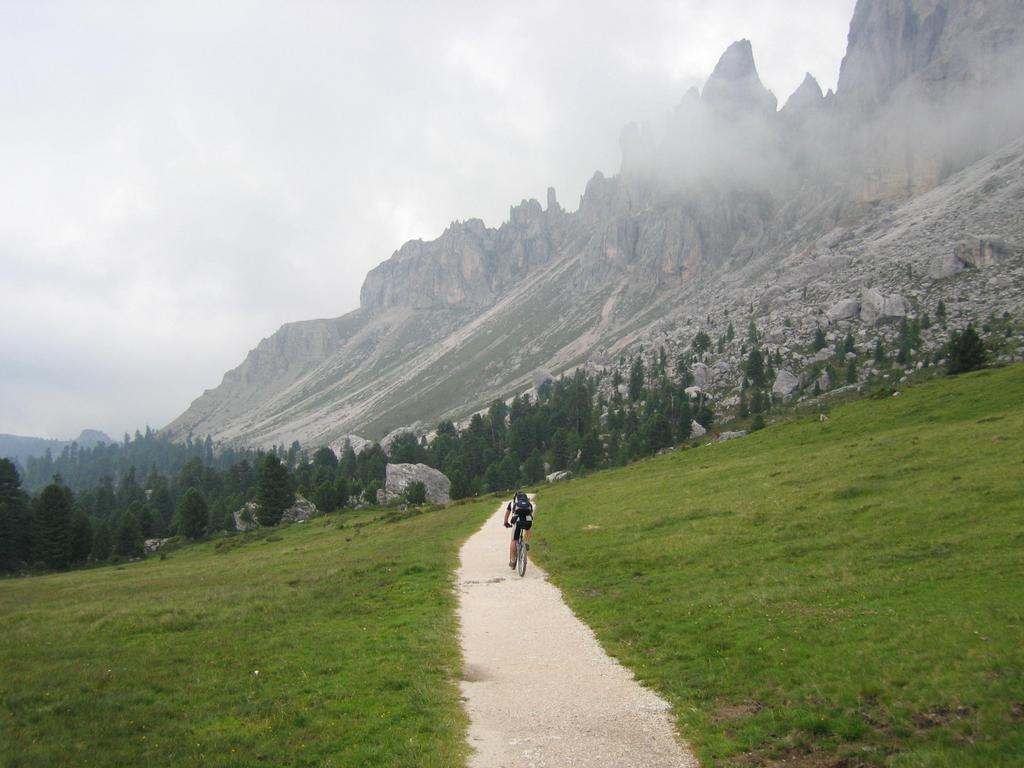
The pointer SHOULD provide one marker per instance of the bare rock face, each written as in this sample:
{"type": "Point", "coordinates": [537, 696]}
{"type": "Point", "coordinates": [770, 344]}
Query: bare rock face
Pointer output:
{"type": "Point", "coordinates": [786, 385]}
{"type": "Point", "coordinates": [982, 252]}
{"type": "Point", "coordinates": [805, 99]}
{"type": "Point", "coordinates": [470, 264]}
{"type": "Point", "coordinates": [701, 375]}
{"type": "Point", "coordinates": [400, 476]}
{"type": "Point", "coordinates": [734, 88]}
{"type": "Point", "coordinates": [876, 309]}
{"type": "Point", "coordinates": [845, 309]}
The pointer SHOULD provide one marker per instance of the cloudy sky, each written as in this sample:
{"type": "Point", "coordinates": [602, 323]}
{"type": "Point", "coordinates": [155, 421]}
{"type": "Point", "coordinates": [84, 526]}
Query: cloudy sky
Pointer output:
{"type": "Point", "coordinates": [178, 179]}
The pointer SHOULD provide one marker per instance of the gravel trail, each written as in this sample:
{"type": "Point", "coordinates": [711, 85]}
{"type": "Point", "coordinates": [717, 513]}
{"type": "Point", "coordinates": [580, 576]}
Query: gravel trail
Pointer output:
{"type": "Point", "coordinates": [539, 689]}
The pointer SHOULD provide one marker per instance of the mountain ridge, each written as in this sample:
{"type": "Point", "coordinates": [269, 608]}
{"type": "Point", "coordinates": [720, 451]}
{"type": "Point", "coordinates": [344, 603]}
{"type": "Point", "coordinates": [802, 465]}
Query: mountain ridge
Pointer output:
{"type": "Point", "coordinates": [704, 214]}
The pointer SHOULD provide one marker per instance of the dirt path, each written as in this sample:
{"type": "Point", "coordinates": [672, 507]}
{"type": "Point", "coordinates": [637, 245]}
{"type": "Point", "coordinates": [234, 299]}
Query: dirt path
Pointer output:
{"type": "Point", "coordinates": [539, 689]}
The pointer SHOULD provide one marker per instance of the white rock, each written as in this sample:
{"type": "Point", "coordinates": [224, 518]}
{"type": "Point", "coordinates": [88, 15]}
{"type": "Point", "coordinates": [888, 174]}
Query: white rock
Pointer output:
{"type": "Point", "coordinates": [786, 384]}
{"type": "Point", "coordinates": [845, 309]}
{"type": "Point", "coordinates": [400, 476]}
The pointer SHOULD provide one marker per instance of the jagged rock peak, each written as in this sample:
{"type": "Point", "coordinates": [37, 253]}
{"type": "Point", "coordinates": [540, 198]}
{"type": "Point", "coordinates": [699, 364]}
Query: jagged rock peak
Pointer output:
{"type": "Point", "coordinates": [553, 206]}
{"type": "Point", "coordinates": [889, 41]}
{"type": "Point", "coordinates": [807, 96]}
{"type": "Point", "coordinates": [521, 215]}
{"type": "Point", "coordinates": [734, 87]}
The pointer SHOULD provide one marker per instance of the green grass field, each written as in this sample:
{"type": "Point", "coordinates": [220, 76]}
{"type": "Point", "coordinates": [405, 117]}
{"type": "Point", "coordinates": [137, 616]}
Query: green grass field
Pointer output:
{"type": "Point", "coordinates": [331, 643]}
{"type": "Point", "coordinates": [838, 593]}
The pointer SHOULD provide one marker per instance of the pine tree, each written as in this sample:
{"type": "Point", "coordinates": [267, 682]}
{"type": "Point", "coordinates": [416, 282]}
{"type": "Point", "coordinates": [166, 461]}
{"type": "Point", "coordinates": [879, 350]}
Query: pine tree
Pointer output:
{"type": "Point", "coordinates": [851, 371]}
{"type": "Point", "coordinates": [848, 345]}
{"type": "Point", "coordinates": [15, 521]}
{"type": "Point", "coordinates": [591, 450]}
{"type": "Point", "coordinates": [560, 450]}
{"type": "Point", "coordinates": [193, 514]}
{"type": "Point", "coordinates": [274, 491]}
{"type": "Point", "coordinates": [965, 352]}
{"type": "Point", "coordinates": [102, 543]}
{"type": "Point", "coordinates": [81, 537]}
{"type": "Point", "coordinates": [51, 526]}
{"type": "Point", "coordinates": [128, 536]}
{"type": "Point", "coordinates": [819, 340]}
{"type": "Point", "coordinates": [754, 368]}
{"type": "Point", "coordinates": [636, 380]}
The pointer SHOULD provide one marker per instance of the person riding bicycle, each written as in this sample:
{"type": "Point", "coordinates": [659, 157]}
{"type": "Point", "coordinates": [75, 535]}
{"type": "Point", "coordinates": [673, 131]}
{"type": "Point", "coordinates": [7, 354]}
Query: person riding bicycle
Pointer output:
{"type": "Point", "coordinates": [520, 510]}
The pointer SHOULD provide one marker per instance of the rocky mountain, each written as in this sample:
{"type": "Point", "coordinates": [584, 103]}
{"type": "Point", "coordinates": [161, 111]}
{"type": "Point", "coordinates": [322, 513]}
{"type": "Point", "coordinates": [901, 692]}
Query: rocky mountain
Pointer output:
{"type": "Point", "coordinates": [841, 211]}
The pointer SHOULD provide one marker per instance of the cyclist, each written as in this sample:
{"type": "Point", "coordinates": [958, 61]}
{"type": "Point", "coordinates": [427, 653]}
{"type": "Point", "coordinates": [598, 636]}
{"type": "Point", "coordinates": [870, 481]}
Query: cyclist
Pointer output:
{"type": "Point", "coordinates": [520, 510]}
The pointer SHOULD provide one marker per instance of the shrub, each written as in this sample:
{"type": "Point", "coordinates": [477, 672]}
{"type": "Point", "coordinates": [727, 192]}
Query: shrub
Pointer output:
{"type": "Point", "coordinates": [416, 493]}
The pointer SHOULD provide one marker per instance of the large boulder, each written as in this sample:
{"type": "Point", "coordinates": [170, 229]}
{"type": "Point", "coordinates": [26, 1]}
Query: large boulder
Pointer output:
{"type": "Point", "coordinates": [876, 309]}
{"type": "Point", "coordinates": [981, 252]}
{"type": "Point", "coordinates": [390, 438]}
{"type": "Point", "coordinates": [786, 384]}
{"type": "Point", "coordinates": [247, 516]}
{"type": "Point", "coordinates": [400, 476]}
{"type": "Point", "coordinates": [300, 511]}
{"type": "Point", "coordinates": [556, 477]}
{"type": "Point", "coordinates": [701, 375]}
{"type": "Point", "coordinates": [844, 309]}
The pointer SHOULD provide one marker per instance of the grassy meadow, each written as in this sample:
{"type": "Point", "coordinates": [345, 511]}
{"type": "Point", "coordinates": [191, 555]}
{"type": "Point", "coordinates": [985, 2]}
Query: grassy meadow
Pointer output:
{"type": "Point", "coordinates": [847, 592]}
{"type": "Point", "coordinates": [331, 643]}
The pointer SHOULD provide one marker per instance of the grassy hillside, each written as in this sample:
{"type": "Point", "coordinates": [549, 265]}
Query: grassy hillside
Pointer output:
{"type": "Point", "coordinates": [326, 644]}
{"type": "Point", "coordinates": [823, 593]}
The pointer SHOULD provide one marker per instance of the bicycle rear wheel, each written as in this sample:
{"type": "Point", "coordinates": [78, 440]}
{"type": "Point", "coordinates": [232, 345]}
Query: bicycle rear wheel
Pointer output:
{"type": "Point", "coordinates": [521, 558]}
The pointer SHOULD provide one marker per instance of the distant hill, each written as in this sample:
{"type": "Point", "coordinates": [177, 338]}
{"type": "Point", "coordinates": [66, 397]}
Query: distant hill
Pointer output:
{"type": "Point", "coordinates": [21, 448]}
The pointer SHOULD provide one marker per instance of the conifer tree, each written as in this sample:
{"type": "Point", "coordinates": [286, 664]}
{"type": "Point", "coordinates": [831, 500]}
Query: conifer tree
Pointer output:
{"type": "Point", "coordinates": [591, 450]}
{"type": "Point", "coordinates": [754, 368]}
{"type": "Point", "coordinates": [102, 543]}
{"type": "Point", "coordinates": [636, 380]}
{"type": "Point", "coordinates": [819, 340]}
{"type": "Point", "coordinates": [15, 525]}
{"type": "Point", "coordinates": [851, 371]}
{"type": "Point", "coordinates": [51, 526]}
{"type": "Point", "coordinates": [965, 351]}
{"type": "Point", "coordinates": [81, 536]}
{"type": "Point", "coordinates": [533, 467]}
{"type": "Point", "coordinates": [193, 514]}
{"type": "Point", "coordinates": [274, 491]}
{"type": "Point", "coordinates": [128, 536]}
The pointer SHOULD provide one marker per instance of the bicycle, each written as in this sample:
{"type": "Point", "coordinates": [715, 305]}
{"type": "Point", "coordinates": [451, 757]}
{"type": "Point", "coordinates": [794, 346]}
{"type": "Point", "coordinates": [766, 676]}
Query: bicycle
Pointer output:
{"type": "Point", "coordinates": [521, 553]}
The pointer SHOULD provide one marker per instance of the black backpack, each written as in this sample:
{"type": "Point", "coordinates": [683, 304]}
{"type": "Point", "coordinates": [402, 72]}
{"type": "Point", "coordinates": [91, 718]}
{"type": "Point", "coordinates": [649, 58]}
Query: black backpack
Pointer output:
{"type": "Point", "coordinates": [522, 505]}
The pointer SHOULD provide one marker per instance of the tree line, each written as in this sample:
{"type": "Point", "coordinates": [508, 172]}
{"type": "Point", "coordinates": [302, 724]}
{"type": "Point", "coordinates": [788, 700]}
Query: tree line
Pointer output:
{"type": "Point", "coordinates": [92, 505]}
